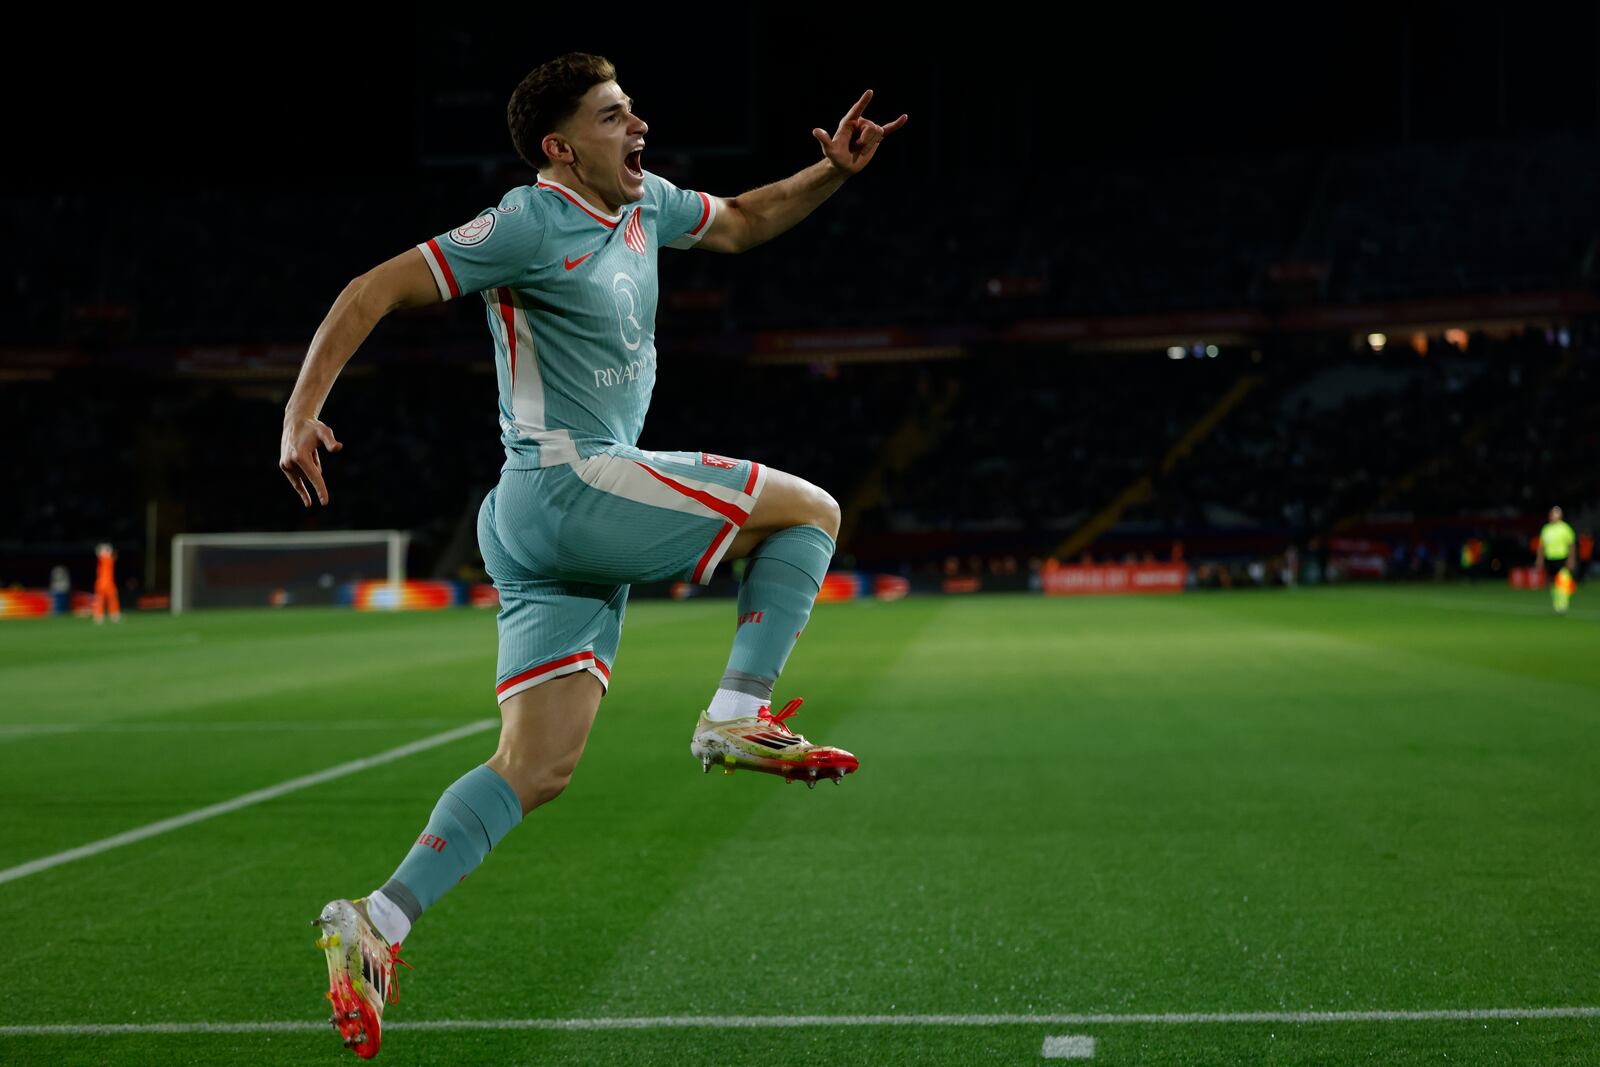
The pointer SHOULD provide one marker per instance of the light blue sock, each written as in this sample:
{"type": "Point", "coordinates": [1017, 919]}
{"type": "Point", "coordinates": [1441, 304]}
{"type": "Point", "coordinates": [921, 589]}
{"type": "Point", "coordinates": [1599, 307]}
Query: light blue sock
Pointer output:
{"type": "Point", "coordinates": [475, 812]}
{"type": "Point", "coordinates": [780, 585]}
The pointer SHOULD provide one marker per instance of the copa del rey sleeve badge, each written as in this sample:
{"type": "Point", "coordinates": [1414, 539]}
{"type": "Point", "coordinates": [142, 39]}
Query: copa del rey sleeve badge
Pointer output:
{"type": "Point", "coordinates": [475, 232]}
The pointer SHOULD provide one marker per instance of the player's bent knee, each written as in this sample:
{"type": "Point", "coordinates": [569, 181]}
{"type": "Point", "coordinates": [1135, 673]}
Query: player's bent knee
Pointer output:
{"type": "Point", "coordinates": [828, 515]}
{"type": "Point", "coordinates": [542, 736]}
{"type": "Point", "coordinates": [791, 501]}
{"type": "Point", "coordinates": [819, 509]}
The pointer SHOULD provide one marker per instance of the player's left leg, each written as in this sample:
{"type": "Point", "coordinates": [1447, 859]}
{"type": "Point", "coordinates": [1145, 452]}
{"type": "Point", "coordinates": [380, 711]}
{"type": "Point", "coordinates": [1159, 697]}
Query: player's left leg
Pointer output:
{"type": "Point", "coordinates": [631, 515]}
{"type": "Point", "coordinates": [788, 541]}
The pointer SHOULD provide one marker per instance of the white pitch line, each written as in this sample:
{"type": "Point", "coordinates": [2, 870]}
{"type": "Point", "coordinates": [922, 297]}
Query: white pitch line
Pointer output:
{"type": "Point", "coordinates": [128, 837]}
{"type": "Point", "coordinates": [29, 729]}
{"type": "Point", "coordinates": [1068, 1047]}
{"type": "Point", "coordinates": [785, 1022]}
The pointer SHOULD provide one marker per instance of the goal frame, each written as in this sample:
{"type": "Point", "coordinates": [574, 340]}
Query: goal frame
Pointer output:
{"type": "Point", "coordinates": [396, 541]}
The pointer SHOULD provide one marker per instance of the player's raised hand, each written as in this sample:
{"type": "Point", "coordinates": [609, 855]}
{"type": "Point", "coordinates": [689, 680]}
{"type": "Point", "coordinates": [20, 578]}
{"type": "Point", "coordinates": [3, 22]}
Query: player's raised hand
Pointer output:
{"type": "Point", "coordinates": [299, 460]}
{"type": "Point", "coordinates": [856, 141]}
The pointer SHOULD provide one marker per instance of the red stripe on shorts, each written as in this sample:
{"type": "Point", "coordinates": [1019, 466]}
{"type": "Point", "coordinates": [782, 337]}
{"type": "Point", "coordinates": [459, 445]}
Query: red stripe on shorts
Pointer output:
{"type": "Point", "coordinates": [546, 668]}
{"type": "Point", "coordinates": [721, 507]}
{"type": "Point", "coordinates": [716, 542]}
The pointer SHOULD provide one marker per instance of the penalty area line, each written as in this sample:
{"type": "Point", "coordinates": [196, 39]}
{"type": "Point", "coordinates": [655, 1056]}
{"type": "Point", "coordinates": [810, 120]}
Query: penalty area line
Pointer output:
{"type": "Point", "coordinates": [782, 1022]}
{"type": "Point", "coordinates": [271, 792]}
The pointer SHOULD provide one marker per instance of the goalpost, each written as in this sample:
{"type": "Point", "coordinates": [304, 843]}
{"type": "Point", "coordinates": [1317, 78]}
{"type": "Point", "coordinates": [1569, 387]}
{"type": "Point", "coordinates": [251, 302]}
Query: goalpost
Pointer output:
{"type": "Point", "coordinates": [237, 570]}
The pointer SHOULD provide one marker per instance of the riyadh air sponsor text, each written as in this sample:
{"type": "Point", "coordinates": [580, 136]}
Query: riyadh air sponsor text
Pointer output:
{"type": "Point", "coordinates": [606, 377]}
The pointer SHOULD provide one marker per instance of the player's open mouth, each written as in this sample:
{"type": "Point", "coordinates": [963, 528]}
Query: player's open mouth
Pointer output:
{"type": "Point", "coordinates": [634, 162]}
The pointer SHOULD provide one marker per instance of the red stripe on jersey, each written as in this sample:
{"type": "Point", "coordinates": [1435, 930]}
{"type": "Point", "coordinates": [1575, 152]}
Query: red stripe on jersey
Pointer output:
{"type": "Point", "coordinates": [507, 315]}
{"type": "Point", "coordinates": [444, 267]}
{"type": "Point", "coordinates": [721, 507]}
{"type": "Point", "coordinates": [546, 668]}
{"type": "Point", "coordinates": [755, 469]}
{"type": "Point", "coordinates": [716, 542]}
{"type": "Point", "coordinates": [705, 213]}
{"type": "Point", "coordinates": [601, 219]}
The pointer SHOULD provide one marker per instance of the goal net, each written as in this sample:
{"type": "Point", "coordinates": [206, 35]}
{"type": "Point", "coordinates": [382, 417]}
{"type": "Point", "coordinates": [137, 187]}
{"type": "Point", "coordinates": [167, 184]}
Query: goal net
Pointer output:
{"type": "Point", "coordinates": [239, 570]}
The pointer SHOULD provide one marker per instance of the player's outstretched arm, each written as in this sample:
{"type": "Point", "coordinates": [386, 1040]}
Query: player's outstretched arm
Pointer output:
{"type": "Point", "coordinates": [402, 282]}
{"type": "Point", "coordinates": [762, 214]}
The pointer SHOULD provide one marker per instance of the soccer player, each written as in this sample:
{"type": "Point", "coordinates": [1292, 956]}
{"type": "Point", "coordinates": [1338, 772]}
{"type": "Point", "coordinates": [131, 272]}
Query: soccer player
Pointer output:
{"type": "Point", "coordinates": [1554, 558]}
{"type": "Point", "coordinates": [567, 271]}
{"type": "Point", "coordinates": [105, 584]}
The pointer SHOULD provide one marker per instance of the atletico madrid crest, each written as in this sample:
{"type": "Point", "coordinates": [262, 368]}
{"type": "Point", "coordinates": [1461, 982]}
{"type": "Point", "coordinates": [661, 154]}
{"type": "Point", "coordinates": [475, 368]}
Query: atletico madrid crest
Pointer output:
{"type": "Point", "coordinates": [634, 234]}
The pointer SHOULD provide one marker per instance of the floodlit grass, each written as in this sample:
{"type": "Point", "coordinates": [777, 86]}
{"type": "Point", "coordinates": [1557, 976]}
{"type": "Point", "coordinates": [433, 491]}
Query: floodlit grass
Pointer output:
{"type": "Point", "coordinates": [1366, 799]}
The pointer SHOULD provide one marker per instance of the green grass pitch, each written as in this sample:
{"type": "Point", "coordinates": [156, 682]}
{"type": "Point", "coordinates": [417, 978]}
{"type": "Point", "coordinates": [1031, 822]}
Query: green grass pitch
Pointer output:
{"type": "Point", "coordinates": [1364, 799]}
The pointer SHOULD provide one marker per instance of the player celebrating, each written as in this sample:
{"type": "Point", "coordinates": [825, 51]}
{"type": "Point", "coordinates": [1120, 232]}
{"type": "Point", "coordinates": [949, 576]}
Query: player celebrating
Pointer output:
{"type": "Point", "coordinates": [1555, 557]}
{"type": "Point", "coordinates": [567, 271]}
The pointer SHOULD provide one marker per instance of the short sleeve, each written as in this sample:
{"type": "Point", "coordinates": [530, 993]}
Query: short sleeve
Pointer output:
{"type": "Point", "coordinates": [684, 216]}
{"type": "Point", "coordinates": [496, 248]}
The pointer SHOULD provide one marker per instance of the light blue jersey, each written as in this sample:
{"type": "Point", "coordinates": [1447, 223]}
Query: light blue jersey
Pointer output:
{"type": "Point", "coordinates": [571, 295]}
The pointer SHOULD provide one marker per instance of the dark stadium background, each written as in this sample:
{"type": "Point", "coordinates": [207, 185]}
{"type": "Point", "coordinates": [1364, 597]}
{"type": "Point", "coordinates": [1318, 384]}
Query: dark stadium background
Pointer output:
{"type": "Point", "coordinates": [1071, 198]}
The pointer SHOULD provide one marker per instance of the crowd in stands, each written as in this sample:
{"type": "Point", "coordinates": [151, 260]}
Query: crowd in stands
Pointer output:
{"type": "Point", "coordinates": [1017, 450]}
{"type": "Point", "coordinates": [1014, 446]}
{"type": "Point", "coordinates": [1038, 441]}
{"type": "Point", "coordinates": [261, 264]}
{"type": "Point", "coordinates": [1504, 426]}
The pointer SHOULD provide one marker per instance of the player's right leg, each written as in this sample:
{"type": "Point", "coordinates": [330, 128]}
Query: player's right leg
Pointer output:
{"type": "Point", "coordinates": [542, 734]}
{"type": "Point", "coordinates": [557, 641]}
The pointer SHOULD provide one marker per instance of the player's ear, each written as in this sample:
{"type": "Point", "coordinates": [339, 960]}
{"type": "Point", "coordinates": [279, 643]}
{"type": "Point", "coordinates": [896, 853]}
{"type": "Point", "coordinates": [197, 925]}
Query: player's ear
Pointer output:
{"type": "Point", "coordinates": [556, 149]}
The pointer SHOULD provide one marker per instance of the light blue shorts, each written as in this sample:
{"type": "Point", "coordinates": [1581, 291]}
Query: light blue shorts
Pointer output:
{"type": "Point", "coordinates": [564, 543]}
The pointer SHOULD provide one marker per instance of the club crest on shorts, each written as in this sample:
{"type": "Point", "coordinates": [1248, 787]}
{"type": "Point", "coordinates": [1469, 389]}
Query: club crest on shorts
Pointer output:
{"type": "Point", "coordinates": [475, 232]}
{"type": "Point", "coordinates": [710, 460]}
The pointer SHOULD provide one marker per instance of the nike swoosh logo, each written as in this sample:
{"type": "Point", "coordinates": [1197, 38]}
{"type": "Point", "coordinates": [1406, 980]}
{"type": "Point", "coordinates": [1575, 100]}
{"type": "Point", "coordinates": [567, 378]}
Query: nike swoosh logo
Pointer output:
{"type": "Point", "coordinates": [572, 263]}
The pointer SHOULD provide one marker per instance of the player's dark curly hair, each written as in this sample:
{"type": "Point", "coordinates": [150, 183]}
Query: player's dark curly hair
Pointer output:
{"type": "Point", "coordinates": [549, 96]}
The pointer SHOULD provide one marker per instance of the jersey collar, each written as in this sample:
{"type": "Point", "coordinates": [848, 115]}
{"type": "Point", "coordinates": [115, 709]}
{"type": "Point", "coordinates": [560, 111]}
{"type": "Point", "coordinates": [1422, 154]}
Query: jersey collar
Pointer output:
{"type": "Point", "coordinates": [608, 221]}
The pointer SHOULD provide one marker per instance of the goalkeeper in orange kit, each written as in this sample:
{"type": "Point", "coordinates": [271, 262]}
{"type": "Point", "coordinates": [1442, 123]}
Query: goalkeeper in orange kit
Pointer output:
{"type": "Point", "coordinates": [105, 584]}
